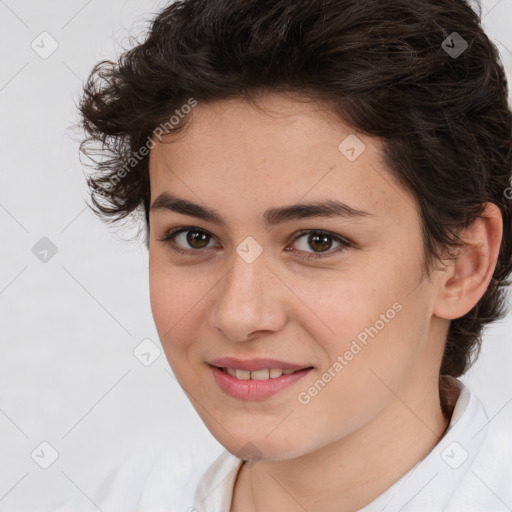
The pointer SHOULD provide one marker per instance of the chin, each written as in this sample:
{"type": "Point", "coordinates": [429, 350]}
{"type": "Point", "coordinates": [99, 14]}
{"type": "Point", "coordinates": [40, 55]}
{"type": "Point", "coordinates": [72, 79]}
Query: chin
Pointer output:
{"type": "Point", "coordinates": [260, 447]}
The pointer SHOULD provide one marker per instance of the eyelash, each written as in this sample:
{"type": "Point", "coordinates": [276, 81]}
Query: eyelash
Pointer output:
{"type": "Point", "coordinates": [345, 244]}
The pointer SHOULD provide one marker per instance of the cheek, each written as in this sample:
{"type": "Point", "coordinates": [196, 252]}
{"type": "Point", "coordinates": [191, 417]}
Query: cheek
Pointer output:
{"type": "Point", "coordinates": [172, 290]}
{"type": "Point", "coordinates": [374, 317]}
{"type": "Point", "coordinates": [171, 297]}
{"type": "Point", "coordinates": [178, 296]}
{"type": "Point", "coordinates": [161, 287]}
{"type": "Point", "coordinates": [340, 307]}
{"type": "Point", "coordinates": [366, 358]}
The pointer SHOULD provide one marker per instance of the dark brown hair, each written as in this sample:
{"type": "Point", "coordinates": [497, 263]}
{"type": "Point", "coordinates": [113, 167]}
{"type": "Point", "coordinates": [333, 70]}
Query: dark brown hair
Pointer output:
{"type": "Point", "coordinates": [388, 69]}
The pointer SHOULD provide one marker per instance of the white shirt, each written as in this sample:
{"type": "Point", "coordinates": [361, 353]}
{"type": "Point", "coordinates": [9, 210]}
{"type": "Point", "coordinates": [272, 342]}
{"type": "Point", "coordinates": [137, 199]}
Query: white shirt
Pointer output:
{"type": "Point", "coordinates": [469, 470]}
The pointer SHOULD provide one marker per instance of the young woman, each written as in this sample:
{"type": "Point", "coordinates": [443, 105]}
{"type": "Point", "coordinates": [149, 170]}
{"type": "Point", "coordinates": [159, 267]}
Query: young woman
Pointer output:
{"type": "Point", "coordinates": [326, 190]}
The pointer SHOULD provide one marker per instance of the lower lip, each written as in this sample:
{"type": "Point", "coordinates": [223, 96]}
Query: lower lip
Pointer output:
{"type": "Point", "coordinates": [255, 389]}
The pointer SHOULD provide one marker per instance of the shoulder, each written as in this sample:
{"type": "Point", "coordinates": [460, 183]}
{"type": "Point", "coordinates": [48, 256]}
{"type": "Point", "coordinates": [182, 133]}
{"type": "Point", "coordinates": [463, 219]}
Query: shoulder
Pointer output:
{"type": "Point", "coordinates": [469, 470]}
{"type": "Point", "coordinates": [486, 483]}
{"type": "Point", "coordinates": [156, 479]}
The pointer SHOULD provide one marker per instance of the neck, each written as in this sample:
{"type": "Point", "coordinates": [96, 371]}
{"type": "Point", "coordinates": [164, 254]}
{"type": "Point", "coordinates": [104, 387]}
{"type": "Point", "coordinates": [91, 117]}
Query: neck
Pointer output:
{"type": "Point", "coordinates": [347, 475]}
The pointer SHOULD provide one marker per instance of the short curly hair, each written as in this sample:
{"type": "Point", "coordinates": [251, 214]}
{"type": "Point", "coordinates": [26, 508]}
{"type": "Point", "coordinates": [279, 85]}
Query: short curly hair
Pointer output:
{"type": "Point", "coordinates": [392, 70]}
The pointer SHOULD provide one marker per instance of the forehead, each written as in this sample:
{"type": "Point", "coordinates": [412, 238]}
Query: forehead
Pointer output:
{"type": "Point", "coordinates": [242, 158]}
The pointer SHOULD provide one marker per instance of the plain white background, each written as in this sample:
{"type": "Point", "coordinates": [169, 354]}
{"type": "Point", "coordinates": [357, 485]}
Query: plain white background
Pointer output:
{"type": "Point", "coordinates": [69, 325]}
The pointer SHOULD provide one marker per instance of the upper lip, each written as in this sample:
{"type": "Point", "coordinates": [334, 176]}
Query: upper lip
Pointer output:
{"type": "Point", "coordinates": [255, 364]}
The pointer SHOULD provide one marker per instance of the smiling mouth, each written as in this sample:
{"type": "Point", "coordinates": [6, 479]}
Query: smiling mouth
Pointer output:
{"type": "Point", "coordinates": [264, 374]}
{"type": "Point", "coordinates": [258, 383]}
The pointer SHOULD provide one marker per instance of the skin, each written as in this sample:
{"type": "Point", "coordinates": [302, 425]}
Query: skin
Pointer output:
{"type": "Point", "coordinates": [381, 414]}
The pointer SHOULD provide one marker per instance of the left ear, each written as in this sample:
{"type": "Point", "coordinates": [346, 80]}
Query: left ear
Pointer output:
{"type": "Point", "coordinates": [466, 278]}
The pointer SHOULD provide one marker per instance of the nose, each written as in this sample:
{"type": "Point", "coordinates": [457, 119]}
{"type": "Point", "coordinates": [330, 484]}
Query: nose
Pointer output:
{"type": "Point", "coordinates": [250, 301]}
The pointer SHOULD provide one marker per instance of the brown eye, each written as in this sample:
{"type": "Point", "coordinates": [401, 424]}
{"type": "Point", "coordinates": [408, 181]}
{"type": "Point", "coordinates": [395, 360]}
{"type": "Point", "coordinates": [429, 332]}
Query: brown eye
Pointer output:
{"type": "Point", "coordinates": [320, 242]}
{"type": "Point", "coordinates": [197, 238]}
{"type": "Point", "coordinates": [187, 240]}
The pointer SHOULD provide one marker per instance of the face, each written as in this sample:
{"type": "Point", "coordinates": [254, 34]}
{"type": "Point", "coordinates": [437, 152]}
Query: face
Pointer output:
{"type": "Point", "coordinates": [338, 293]}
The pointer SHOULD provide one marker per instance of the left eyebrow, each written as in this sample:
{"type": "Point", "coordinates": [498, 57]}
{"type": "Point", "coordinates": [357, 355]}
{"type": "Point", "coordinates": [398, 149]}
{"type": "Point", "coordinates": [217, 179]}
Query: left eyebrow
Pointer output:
{"type": "Point", "coordinates": [271, 217]}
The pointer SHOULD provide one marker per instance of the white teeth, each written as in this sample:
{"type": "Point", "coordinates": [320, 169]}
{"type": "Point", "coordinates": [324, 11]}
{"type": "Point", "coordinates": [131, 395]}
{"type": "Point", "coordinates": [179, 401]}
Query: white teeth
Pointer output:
{"type": "Point", "coordinates": [260, 375]}
{"type": "Point", "coordinates": [264, 374]}
{"type": "Point", "coordinates": [243, 374]}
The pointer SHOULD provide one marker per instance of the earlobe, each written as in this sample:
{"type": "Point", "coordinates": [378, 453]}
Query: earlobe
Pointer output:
{"type": "Point", "coordinates": [466, 278]}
